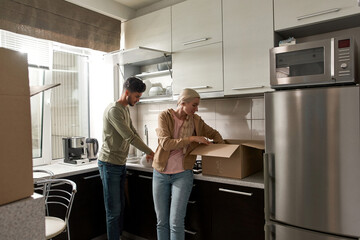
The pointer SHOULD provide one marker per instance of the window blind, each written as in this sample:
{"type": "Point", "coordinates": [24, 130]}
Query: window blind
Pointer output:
{"type": "Point", "coordinates": [38, 51]}
{"type": "Point", "coordinates": [61, 21]}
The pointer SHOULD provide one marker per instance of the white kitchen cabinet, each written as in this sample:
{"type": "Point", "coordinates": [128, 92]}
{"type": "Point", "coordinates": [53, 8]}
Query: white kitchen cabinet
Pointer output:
{"type": "Point", "coordinates": [199, 68]}
{"type": "Point", "coordinates": [152, 30]}
{"type": "Point", "coordinates": [248, 36]}
{"type": "Point", "coordinates": [294, 13]}
{"type": "Point", "coordinates": [196, 23]}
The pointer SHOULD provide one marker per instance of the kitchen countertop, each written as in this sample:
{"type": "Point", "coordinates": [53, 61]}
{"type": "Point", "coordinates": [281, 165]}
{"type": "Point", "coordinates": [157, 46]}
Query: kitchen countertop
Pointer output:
{"type": "Point", "coordinates": [61, 170]}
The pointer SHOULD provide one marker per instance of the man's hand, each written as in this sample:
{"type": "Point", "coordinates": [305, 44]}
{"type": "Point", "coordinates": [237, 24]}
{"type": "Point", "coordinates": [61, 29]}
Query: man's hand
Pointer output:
{"type": "Point", "coordinates": [150, 157]}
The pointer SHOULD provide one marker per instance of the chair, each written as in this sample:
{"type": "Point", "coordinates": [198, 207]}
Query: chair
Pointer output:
{"type": "Point", "coordinates": [40, 175]}
{"type": "Point", "coordinates": [59, 197]}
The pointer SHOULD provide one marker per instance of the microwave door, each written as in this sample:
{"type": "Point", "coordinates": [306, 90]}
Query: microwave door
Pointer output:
{"type": "Point", "coordinates": [303, 64]}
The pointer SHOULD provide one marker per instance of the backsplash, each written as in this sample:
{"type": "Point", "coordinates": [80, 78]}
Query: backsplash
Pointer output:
{"type": "Point", "coordinates": [234, 118]}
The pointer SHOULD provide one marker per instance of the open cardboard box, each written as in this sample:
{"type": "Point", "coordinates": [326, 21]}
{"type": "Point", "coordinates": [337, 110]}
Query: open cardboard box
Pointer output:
{"type": "Point", "coordinates": [234, 159]}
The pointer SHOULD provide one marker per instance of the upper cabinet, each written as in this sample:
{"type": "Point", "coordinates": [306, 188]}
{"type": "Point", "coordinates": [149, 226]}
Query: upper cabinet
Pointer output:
{"type": "Point", "coordinates": [198, 68]}
{"type": "Point", "coordinates": [196, 23]}
{"type": "Point", "coordinates": [197, 46]}
{"type": "Point", "coordinates": [152, 30]}
{"type": "Point", "coordinates": [218, 47]}
{"type": "Point", "coordinates": [295, 13]}
{"type": "Point", "coordinates": [248, 36]}
{"type": "Point", "coordinates": [147, 53]}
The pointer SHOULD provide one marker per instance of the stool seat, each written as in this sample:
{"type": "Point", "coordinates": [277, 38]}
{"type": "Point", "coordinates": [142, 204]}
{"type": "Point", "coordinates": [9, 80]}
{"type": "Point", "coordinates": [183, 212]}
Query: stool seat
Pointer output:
{"type": "Point", "coordinates": [53, 226]}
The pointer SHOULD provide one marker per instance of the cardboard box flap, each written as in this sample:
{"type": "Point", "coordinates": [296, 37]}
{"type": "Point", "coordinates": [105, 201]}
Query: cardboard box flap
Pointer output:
{"type": "Point", "coordinates": [38, 89]}
{"type": "Point", "coordinates": [254, 145]}
{"type": "Point", "coordinates": [215, 150]}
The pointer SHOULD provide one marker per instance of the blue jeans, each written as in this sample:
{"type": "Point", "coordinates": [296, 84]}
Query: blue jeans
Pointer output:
{"type": "Point", "coordinates": [113, 179]}
{"type": "Point", "coordinates": [171, 193]}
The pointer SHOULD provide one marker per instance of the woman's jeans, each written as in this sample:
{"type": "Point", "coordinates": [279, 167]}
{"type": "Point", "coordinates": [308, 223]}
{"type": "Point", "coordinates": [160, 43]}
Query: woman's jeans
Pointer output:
{"type": "Point", "coordinates": [171, 193]}
{"type": "Point", "coordinates": [113, 180]}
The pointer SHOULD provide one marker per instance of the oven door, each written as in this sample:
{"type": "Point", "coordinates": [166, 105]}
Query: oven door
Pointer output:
{"type": "Point", "coordinates": [304, 64]}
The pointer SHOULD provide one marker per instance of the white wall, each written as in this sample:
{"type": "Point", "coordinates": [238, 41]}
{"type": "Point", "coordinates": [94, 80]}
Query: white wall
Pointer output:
{"type": "Point", "coordinates": [101, 93]}
{"type": "Point", "coordinates": [156, 6]}
{"type": "Point", "coordinates": [108, 8]}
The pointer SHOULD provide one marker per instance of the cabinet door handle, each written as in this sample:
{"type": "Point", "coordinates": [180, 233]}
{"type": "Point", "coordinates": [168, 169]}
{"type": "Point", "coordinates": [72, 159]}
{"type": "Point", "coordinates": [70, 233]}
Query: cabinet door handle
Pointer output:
{"type": "Point", "coordinates": [191, 202]}
{"type": "Point", "coordinates": [146, 177]}
{"type": "Point", "coordinates": [250, 87]}
{"type": "Point", "coordinates": [199, 87]}
{"type": "Point", "coordinates": [332, 53]}
{"type": "Point", "coordinates": [236, 192]}
{"type": "Point", "coordinates": [359, 3]}
{"type": "Point", "coordinates": [190, 232]}
{"type": "Point", "coordinates": [318, 13]}
{"type": "Point", "coordinates": [195, 41]}
{"type": "Point", "coordinates": [93, 176]}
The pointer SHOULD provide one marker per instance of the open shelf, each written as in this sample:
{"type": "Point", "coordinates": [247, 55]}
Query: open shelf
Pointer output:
{"type": "Point", "coordinates": [153, 74]}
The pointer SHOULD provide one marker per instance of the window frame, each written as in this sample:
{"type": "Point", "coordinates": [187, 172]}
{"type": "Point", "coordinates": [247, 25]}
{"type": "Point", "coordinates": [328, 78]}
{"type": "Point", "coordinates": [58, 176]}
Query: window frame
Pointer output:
{"type": "Point", "coordinates": [46, 149]}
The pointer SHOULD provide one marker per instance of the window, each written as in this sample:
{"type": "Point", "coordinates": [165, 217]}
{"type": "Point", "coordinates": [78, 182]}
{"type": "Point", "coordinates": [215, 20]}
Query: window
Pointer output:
{"type": "Point", "coordinates": [69, 102]}
{"type": "Point", "coordinates": [63, 111]}
{"type": "Point", "coordinates": [36, 77]}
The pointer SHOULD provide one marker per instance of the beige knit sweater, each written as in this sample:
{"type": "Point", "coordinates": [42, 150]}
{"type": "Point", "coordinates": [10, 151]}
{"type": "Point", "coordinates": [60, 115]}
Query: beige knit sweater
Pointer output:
{"type": "Point", "coordinates": [167, 143]}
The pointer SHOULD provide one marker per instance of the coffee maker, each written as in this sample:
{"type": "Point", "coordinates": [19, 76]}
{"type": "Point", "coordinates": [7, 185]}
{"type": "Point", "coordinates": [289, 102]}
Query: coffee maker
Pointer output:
{"type": "Point", "coordinates": [75, 150]}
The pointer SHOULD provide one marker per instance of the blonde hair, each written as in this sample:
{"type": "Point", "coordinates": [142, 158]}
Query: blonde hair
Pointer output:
{"type": "Point", "coordinates": [186, 95]}
{"type": "Point", "coordinates": [187, 129]}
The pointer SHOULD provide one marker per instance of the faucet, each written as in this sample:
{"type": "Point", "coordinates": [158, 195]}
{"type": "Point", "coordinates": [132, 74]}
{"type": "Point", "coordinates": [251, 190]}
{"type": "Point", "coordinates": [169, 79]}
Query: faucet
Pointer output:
{"type": "Point", "coordinates": [146, 135]}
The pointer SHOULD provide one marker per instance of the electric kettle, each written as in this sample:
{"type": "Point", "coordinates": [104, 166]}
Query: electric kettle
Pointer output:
{"type": "Point", "coordinates": [92, 147]}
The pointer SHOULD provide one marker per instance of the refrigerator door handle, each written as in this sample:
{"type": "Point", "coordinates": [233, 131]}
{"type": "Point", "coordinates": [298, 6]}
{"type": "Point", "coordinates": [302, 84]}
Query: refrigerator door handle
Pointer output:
{"type": "Point", "coordinates": [269, 231]}
{"type": "Point", "coordinates": [269, 185]}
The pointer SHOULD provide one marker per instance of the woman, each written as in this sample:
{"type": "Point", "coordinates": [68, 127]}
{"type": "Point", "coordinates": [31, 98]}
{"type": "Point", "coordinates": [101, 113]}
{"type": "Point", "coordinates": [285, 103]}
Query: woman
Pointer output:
{"type": "Point", "coordinates": [179, 132]}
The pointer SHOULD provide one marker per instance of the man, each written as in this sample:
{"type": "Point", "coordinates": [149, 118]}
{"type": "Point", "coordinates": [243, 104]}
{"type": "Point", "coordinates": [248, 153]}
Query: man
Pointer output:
{"type": "Point", "coordinates": [118, 134]}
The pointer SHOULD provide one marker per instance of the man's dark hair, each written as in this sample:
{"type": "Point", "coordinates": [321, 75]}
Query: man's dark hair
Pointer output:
{"type": "Point", "coordinates": [134, 84]}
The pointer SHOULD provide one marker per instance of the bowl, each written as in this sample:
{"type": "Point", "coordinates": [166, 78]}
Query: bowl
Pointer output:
{"type": "Point", "coordinates": [156, 91]}
{"type": "Point", "coordinates": [144, 162]}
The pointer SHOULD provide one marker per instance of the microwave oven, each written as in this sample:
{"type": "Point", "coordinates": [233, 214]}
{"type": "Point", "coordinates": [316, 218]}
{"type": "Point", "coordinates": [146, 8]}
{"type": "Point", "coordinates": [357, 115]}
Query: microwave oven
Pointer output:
{"type": "Point", "coordinates": [325, 62]}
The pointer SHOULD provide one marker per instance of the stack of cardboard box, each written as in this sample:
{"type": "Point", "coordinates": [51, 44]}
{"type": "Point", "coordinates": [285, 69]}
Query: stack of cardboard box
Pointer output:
{"type": "Point", "coordinates": [16, 180]}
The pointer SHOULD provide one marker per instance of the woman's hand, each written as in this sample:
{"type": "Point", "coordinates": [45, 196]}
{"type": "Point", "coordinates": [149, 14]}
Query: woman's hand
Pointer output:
{"type": "Point", "coordinates": [200, 139]}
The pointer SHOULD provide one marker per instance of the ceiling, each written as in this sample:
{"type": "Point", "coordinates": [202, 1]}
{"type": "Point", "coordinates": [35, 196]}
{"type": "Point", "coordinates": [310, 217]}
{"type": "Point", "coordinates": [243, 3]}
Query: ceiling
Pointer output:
{"type": "Point", "coordinates": [124, 10]}
{"type": "Point", "coordinates": [137, 4]}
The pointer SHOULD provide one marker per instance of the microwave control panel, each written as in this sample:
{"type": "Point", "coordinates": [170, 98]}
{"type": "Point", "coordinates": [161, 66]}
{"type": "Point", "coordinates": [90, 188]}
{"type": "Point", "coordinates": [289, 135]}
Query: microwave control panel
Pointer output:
{"type": "Point", "coordinates": [344, 60]}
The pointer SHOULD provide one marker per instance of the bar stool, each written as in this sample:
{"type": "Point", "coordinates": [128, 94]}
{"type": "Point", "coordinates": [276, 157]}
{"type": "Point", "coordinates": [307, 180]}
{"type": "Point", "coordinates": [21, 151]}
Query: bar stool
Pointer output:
{"type": "Point", "coordinates": [59, 196]}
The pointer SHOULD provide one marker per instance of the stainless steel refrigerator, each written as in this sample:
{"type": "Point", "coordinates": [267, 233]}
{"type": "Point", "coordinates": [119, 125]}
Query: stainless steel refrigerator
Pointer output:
{"type": "Point", "coordinates": [312, 163]}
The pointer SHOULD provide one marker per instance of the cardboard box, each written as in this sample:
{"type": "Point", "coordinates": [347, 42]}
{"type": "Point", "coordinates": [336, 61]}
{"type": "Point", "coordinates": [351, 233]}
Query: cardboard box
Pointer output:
{"type": "Point", "coordinates": [235, 159]}
{"type": "Point", "coordinates": [16, 181]}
